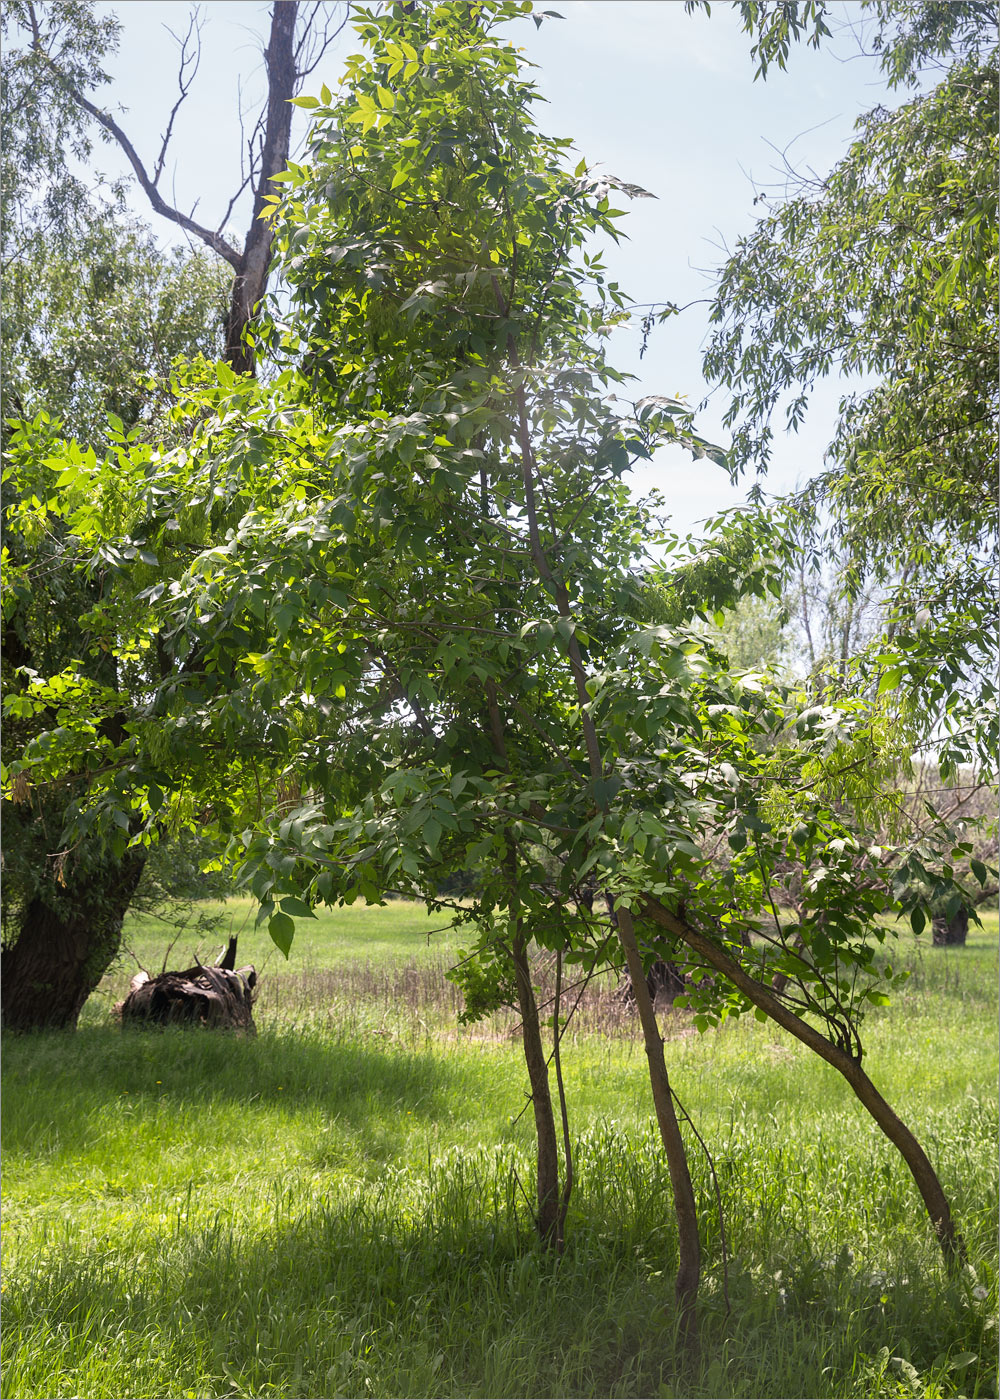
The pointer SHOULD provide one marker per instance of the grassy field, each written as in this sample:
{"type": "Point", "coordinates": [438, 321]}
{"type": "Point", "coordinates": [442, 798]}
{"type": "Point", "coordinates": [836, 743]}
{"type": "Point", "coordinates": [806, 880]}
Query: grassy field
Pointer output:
{"type": "Point", "coordinates": [337, 1207]}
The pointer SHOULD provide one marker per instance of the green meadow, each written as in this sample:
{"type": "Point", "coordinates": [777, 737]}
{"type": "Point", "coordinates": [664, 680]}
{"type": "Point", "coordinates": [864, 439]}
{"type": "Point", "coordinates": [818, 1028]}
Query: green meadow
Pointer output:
{"type": "Point", "coordinates": [340, 1206]}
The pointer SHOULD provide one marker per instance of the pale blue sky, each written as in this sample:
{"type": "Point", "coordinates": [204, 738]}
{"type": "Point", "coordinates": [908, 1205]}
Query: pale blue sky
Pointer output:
{"type": "Point", "coordinates": [659, 97]}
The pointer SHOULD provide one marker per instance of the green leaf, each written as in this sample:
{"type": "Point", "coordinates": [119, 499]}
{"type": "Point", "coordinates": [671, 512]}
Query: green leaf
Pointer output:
{"type": "Point", "coordinates": [606, 789]}
{"type": "Point", "coordinates": [282, 931]}
{"type": "Point", "coordinates": [963, 1359]}
{"type": "Point", "coordinates": [296, 907]}
{"type": "Point", "coordinates": [890, 679]}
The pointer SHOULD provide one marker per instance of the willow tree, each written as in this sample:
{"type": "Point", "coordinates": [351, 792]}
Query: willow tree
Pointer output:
{"type": "Point", "coordinates": [93, 314]}
{"type": "Point", "coordinates": [885, 271]}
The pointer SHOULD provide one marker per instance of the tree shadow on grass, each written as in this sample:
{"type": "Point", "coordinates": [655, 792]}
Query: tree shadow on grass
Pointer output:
{"type": "Point", "coordinates": [430, 1284]}
{"type": "Point", "coordinates": [65, 1084]}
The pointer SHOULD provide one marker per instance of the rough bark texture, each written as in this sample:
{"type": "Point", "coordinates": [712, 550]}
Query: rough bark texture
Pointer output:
{"type": "Point", "coordinates": [894, 1128]}
{"type": "Point", "coordinates": [63, 947]}
{"type": "Point", "coordinates": [216, 997]}
{"type": "Point", "coordinates": [549, 1217]}
{"type": "Point", "coordinates": [250, 281]}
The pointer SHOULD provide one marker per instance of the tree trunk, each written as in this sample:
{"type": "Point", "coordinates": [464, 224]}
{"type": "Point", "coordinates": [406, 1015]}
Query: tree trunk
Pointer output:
{"type": "Point", "coordinates": [685, 1210]}
{"type": "Point", "coordinates": [217, 997]}
{"type": "Point", "coordinates": [65, 945]}
{"type": "Point", "coordinates": [550, 1215]}
{"type": "Point", "coordinates": [950, 933]}
{"type": "Point", "coordinates": [662, 980]}
{"type": "Point", "coordinates": [250, 281]}
{"type": "Point", "coordinates": [895, 1129]}
{"type": "Point", "coordinates": [689, 1267]}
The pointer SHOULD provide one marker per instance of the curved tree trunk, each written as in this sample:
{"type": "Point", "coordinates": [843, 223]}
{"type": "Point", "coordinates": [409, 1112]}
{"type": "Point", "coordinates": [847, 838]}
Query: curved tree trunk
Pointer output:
{"type": "Point", "coordinates": [895, 1129]}
{"type": "Point", "coordinates": [64, 947]}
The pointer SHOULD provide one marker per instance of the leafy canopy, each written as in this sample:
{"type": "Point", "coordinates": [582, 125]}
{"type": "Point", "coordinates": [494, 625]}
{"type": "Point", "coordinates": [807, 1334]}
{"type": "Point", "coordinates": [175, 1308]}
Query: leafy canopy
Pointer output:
{"type": "Point", "coordinates": [398, 588]}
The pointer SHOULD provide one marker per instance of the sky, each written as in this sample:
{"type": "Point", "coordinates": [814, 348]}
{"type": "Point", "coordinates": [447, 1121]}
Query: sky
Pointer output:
{"type": "Point", "coordinates": [658, 97]}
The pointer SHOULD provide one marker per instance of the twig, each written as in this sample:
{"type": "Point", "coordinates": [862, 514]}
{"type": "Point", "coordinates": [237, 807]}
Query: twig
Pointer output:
{"type": "Point", "coordinates": [718, 1198]}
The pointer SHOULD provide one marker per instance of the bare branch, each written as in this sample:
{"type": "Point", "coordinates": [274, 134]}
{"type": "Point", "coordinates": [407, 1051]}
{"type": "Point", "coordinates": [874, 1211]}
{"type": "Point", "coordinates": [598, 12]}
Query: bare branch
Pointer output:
{"type": "Point", "coordinates": [214, 240]}
{"type": "Point", "coordinates": [190, 61]}
{"type": "Point", "coordinates": [249, 162]}
{"type": "Point", "coordinates": [306, 61]}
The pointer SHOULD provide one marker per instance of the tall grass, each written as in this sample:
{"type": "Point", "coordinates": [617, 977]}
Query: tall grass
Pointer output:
{"type": "Point", "coordinates": [340, 1206]}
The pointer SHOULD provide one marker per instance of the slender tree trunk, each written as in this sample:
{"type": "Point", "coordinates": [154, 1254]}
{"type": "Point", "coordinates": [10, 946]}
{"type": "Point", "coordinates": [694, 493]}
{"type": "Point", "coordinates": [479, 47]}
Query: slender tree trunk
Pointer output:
{"type": "Point", "coordinates": [689, 1265]}
{"type": "Point", "coordinates": [689, 1247]}
{"type": "Point", "coordinates": [551, 1213]}
{"type": "Point", "coordinates": [64, 946]}
{"type": "Point", "coordinates": [895, 1129]}
{"type": "Point", "coordinates": [549, 1217]}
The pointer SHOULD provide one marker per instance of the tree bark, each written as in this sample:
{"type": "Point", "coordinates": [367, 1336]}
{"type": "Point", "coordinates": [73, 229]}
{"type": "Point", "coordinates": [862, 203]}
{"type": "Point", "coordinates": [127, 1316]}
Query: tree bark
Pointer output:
{"type": "Point", "coordinates": [688, 1244]}
{"type": "Point", "coordinates": [550, 1215]}
{"type": "Point", "coordinates": [551, 1211]}
{"type": "Point", "coordinates": [950, 932]}
{"type": "Point", "coordinates": [65, 944]}
{"type": "Point", "coordinates": [250, 281]}
{"type": "Point", "coordinates": [895, 1129]}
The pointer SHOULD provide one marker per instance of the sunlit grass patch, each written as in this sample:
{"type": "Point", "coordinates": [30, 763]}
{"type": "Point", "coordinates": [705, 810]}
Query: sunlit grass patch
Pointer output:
{"type": "Point", "coordinates": [341, 1205]}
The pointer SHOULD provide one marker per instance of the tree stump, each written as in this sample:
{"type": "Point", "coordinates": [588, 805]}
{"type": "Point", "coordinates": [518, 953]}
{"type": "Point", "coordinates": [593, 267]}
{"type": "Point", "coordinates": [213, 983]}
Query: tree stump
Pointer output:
{"type": "Point", "coordinates": [218, 997]}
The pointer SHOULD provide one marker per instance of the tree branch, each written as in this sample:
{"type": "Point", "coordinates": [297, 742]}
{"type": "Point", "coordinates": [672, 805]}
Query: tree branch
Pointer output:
{"type": "Point", "coordinates": [211, 237]}
{"type": "Point", "coordinates": [183, 83]}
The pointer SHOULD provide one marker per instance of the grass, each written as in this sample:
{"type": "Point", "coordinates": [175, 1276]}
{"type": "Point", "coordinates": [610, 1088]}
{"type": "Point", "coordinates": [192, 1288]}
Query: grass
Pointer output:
{"type": "Point", "coordinates": [337, 1207]}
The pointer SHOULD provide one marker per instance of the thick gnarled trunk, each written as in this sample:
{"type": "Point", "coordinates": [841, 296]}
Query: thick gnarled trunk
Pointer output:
{"type": "Point", "coordinates": [950, 931]}
{"type": "Point", "coordinates": [64, 946]}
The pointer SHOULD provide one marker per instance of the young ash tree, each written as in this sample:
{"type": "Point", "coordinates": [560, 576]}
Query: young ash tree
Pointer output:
{"type": "Point", "coordinates": [409, 576]}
